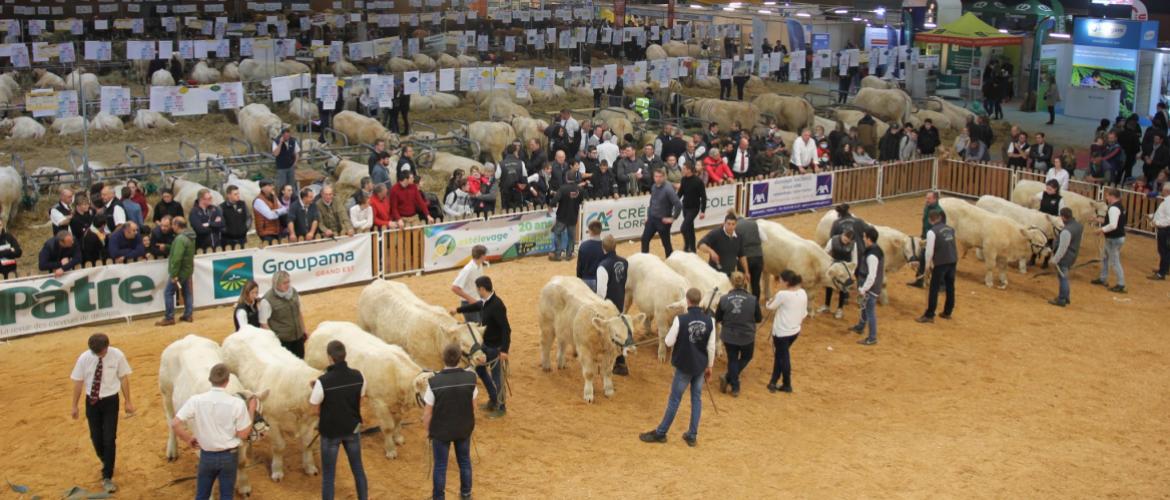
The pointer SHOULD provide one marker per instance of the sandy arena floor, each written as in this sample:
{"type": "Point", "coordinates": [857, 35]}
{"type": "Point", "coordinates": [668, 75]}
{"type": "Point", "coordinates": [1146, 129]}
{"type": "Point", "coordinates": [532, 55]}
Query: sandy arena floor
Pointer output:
{"type": "Point", "coordinates": [1012, 398]}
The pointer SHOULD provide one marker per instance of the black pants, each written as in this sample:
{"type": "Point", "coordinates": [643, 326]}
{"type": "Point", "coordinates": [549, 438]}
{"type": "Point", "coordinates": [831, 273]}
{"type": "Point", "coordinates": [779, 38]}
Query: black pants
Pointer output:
{"type": "Point", "coordinates": [843, 85]}
{"type": "Point", "coordinates": [392, 119]}
{"type": "Point", "coordinates": [921, 273]}
{"type": "Point", "coordinates": [941, 277]}
{"type": "Point", "coordinates": [740, 81]}
{"type": "Point", "coordinates": [755, 272]}
{"type": "Point", "coordinates": [656, 226]}
{"type": "Point", "coordinates": [103, 431]}
{"type": "Point", "coordinates": [804, 75]}
{"type": "Point", "coordinates": [738, 357]}
{"type": "Point", "coordinates": [297, 347]}
{"type": "Point", "coordinates": [842, 297]}
{"type": "Point", "coordinates": [1151, 172]}
{"type": "Point", "coordinates": [234, 243]}
{"type": "Point", "coordinates": [724, 89]}
{"type": "Point", "coordinates": [782, 363]}
{"type": "Point", "coordinates": [688, 229]}
{"type": "Point", "coordinates": [1051, 114]}
{"type": "Point", "coordinates": [1163, 250]}
{"type": "Point", "coordinates": [404, 112]}
{"type": "Point", "coordinates": [326, 122]}
{"type": "Point", "coordinates": [511, 198]}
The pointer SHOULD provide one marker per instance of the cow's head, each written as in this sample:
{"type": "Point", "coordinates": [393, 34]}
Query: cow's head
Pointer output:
{"type": "Point", "coordinates": [676, 308]}
{"type": "Point", "coordinates": [470, 340]}
{"type": "Point", "coordinates": [840, 274]}
{"type": "Point", "coordinates": [259, 425]}
{"type": "Point", "coordinates": [1037, 240]}
{"type": "Point", "coordinates": [1101, 209]}
{"type": "Point", "coordinates": [910, 247]}
{"type": "Point", "coordinates": [619, 329]}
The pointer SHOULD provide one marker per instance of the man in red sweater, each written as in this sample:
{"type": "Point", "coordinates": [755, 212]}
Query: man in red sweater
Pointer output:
{"type": "Point", "coordinates": [407, 202]}
{"type": "Point", "coordinates": [380, 203]}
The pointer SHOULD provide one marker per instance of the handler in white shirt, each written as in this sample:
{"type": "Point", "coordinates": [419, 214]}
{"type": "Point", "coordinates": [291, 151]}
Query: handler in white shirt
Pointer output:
{"type": "Point", "coordinates": [221, 420]}
{"type": "Point", "coordinates": [804, 152]}
{"type": "Point", "coordinates": [464, 284]}
{"type": "Point", "coordinates": [1161, 220]}
{"type": "Point", "coordinates": [101, 373]}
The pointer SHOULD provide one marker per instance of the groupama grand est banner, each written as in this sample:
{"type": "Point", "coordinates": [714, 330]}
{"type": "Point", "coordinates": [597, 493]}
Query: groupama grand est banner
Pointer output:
{"type": "Point", "coordinates": [123, 291]}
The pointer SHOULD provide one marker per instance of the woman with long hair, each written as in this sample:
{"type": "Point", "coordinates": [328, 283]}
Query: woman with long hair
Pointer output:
{"type": "Point", "coordinates": [246, 312]}
{"type": "Point", "coordinates": [791, 306]}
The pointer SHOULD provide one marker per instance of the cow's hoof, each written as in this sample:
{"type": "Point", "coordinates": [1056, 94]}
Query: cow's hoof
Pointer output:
{"type": "Point", "coordinates": [277, 476]}
{"type": "Point", "coordinates": [244, 490]}
{"type": "Point", "coordinates": [1002, 287]}
{"type": "Point", "coordinates": [399, 439]}
{"type": "Point", "coordinates": [391, 454]}
{"type": "Point", "coordinates": [545, 368]}
{"type": "Point", "coordinates": [589, 399]}
{"type": "Point", "coordinates": [560, 366]}
{"type": "Point", "coordinates": [311, 470]}
{"type": "Point", "coordinates": [172, 458]}
{"type": "Point", "coordinates": [609, 393]}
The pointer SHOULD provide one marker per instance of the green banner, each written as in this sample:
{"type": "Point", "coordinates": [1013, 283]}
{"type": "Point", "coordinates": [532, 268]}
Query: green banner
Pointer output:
{"type": "Point", "coordinates": [959, 59]}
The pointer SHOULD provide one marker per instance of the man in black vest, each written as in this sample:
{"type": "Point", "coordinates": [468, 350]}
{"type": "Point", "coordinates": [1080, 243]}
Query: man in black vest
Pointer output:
{"type": "Point", "coordinates": [449, 417]}
{"type": "Point", "coordinates": [1113, 229]}
{"type": "Point", "coordinates": [842, 248]}
{"type": "Point", "coordinates": [497, 337]}
{"type": "Point", "coordinates": [611, 285]}
{"type": "Point", "coordinates": [513, 178]}
{"type": "Point", "coordinates": [931, 205]}
{"type": "Point", "coordinates": [941, 256]}
{"type": "Point", "coordinates": [237, 218]}
{"type": "Point", "coordinates": [62, 212]}
{"type": "Point", "coordinates": [871, 285]}
{"type": "Point", "coordinates": [1068, 245]}
{"type": "Point", "coordinates": [693, 337]}
{"type": "Point", "coordinates": [337, 396]}
{"type": "Point", "coordinates": [287, 150]}
{"type": "Point", "coordinates": [753, 251]}
{"type": "Point", "coordinates": [111, 207]}
{"type": "Point", "coordinates": [1050, 203]}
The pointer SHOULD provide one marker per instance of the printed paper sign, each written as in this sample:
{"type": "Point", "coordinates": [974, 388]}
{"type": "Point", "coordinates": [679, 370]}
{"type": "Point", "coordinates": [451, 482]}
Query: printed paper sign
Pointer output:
{"type": "Point", "coordinates": [115, 101]}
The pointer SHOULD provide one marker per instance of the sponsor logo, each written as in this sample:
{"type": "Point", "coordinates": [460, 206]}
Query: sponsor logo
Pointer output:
{"type": "Point", "coordinates": [1105, 29]}
{"type": "Point", "coordinates": [230, 275]}
{"type": "Point", "coordinates": [1150, 35]}
{"type": "Point", "coordinates": [603, 217]}
{"type": "Point", "coordinates": [444, 245]}
{"type": "Point", "coordinates": [52, 300]}
{"type": "Point", "coordinates": [760, 192]}
{"type": "Point", "coordinates": [307, 263]}
{"type": "Point", "coordinates": [824, 185]}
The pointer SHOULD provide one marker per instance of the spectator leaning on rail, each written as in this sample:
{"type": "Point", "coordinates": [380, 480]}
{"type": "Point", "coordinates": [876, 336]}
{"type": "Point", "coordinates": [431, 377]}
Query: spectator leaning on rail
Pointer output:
{"type": "Point", "coordinates": [267, 212]}
{"type": "Point", "coordinates": [207, 221]}
{"type": "Point", "coordinates": [62, 212]}
{"type": "Point", "coordinates": [1113, 230]}
{"type": "Point", "coordinates": [125, 244]}
{"type": "Point", "coordinates": [407, 203]}
{"type": "Point", "coordinates": [1068, 244]}
{"type": "Point", "coordinates": [9, 252]}
{"type": "Point", "coordinates": [221, 421]}
{"type": "Point", "coordinates": [287, 151]}
{"type": "Point", "coordinates": [449, 417]}
{"type": "Point", "coordinates": [180, 267]}
{"type": "Point", "coordinates": [361, 215]}
{"type": "Point", "coordinates": [333, 218]}
{"type": "Point", "coordinates": [237, 218]}
{"type": "Point", "coordinates": [804, 152]}
{"type": "Point", "coordinates": [167, 205]}
{"type": "Point", "coordinates": [60, 253]}
{"type": "Point", "coordinates": [303, 218]}
{"type": "Point", "coordinates": [101, 372]}
{"type": "Point", "coordinates": [133, 209]}
{"type": "Point", "coordinates": [280, 311]}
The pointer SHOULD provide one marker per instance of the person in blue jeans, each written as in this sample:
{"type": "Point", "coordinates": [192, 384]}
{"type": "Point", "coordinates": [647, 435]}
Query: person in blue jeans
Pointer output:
{"type": "Point", "coordinates": [497, 337]}
{"type": "Point", "coordinates": [337, 396]}
{"type": "Point", "coordinates": [449, 417]}
{"type": "Point", "coordinates": [1113, 230]}
{"type": "Point", "coordinates": [1068, 243]}
{"type": "Point", "coordinates": [693, 357]}
{"type": "Point", "coordinates": [567, 206]}
{"type": "Point", "coordinates": [222, 421]}
{"type": "Point", "coordinates": [180, 267]}
{"type": "Point", "coordinates": [871, 286]}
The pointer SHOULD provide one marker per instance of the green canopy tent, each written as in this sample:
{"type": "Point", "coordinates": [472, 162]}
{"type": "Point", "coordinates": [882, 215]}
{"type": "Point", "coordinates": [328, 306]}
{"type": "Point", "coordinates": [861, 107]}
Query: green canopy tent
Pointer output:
{"type": "Point", "coordinates": [967, 31]}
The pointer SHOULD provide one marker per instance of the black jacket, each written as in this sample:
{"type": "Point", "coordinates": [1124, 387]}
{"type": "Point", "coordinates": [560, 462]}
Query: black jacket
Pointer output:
{"type": "Point", "coordinates": [494, 317]}
{"type": "Point", "coordinates": [888, 147]}
{"type": "Point", "coordinates": [173, 209]}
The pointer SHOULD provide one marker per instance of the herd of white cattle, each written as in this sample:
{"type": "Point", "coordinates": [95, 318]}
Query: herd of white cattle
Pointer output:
{"type": "Point", "coordinates": [398, 337]}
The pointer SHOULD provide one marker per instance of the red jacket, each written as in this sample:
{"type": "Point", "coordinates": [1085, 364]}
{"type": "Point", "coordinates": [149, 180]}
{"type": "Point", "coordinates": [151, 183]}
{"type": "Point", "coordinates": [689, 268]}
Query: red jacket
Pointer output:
{"type": "Point", "coordinates": [381, 211]}
{"type": "Point", "coordinates": [717, 169]}
{"type": "Point", "coordinates": [406, 202]}
{"type": "Point", "coordinates": [140, 199]}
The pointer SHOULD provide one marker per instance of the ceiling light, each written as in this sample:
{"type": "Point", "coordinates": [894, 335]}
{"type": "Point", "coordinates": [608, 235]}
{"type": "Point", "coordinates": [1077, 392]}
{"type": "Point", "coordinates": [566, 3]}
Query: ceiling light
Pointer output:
{"type": "Point", "coordinates": [803, 14]}
{"type": "Point", "coordinates": [840, 11]}
{"type": "Point", "coordinates": [729, 9]}
{"type": "Point", "coordinates": [769, 3]}
{"type": "Point", "coordinates": [1059, 35]}
{"type": "Point", "coordinates": [764, 11]}
{"type": "Point", "coordinates": [929, 25]}
{"type": "Point", "coordinates": [1003, 31]}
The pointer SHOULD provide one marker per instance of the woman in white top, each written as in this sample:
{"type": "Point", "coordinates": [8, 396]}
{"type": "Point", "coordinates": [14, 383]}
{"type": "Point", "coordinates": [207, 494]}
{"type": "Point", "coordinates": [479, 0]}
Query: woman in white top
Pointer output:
{"type": "Point", "coordinates": [458, 202]}
{"type": "Point", "coordinates": [361, 215]}
{"type": "Point", "coordinates": [1058, 172]}
{"type": "Point", "coordinates": [791, 306]}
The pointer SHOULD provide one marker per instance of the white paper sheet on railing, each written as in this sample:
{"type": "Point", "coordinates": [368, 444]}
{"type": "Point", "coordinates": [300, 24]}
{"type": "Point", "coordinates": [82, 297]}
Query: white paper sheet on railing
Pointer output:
{"type": "Point", "coordinates": [81, 296]}
{"type": "Point", "coordinates": [312, 266]}
{"type": "Point", "coordinates": [789, 194]}
{"type": "Point", "coordinates": [625, 218]}
{"type": "Point", "coordinates": [448, 246]}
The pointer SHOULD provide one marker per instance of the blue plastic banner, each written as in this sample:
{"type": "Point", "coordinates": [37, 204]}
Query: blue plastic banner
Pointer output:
{"type": "Point", "coordinates": [1115, 33]}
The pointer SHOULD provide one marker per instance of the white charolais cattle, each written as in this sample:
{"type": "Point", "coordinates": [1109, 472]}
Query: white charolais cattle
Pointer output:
{"type": "Point", "coordinates": [183, 372]}
{"type": "Point", "coordinates": [1085, 210]}
{"type": "Point", "coordinates": [573, 315]}
{"type": "Point", "coordinates": [393, 380]}
{"type": "Point", "coordinates": [393, 313]}
{"type": "Point", "coordinates": [658, 292]}
{"type": "Point", "coordinates": [1050, 224]}
{"type": "Point", "coordinates": [257, 357]}
{"type": "Point", "coordinates": [898, 247]}
{"type": "Point", "coordinates": [787, 250]}
{"type": "Point", "coordinates": [1000, 239]}
{"type": "Point", "coordinates": [187, 192]}
{"type": "Point", "coordinates": [699, 274]}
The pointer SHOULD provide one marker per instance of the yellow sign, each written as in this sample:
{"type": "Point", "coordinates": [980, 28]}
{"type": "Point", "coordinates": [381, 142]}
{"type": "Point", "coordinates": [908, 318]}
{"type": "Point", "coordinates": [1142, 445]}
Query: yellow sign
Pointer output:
{"type": "Point", "coordinates": [123, 24]}
{"type": "Point", "coordinates": [41, 100]}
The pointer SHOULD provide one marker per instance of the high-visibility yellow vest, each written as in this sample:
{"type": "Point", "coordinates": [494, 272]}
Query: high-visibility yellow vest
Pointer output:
{"type": "Point", "coordinates": [642, 107]}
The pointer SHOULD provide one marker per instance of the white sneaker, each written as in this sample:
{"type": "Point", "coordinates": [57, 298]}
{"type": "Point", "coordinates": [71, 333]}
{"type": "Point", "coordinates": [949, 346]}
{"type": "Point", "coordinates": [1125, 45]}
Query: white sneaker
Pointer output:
{"type": "Point", "coordinates": [823, 309]}
{"type": "Point", "coordinates": [109, 486]}
{"type": "Point", "coordinates": [839, 314]}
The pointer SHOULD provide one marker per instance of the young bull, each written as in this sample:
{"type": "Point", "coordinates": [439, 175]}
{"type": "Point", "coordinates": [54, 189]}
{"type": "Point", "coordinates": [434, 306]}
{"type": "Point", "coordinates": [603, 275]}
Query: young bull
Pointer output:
{"type": "Point", "coordinates": [1000, 238]}
{"type": "Point", "coordinates": [659, 293]}
{"type": "Point", "coordinates": [390, 311]}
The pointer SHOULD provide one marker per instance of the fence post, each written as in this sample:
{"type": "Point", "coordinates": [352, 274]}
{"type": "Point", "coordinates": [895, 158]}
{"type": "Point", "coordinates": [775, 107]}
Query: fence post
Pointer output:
{"type": "Point", "coordinates": [934, 174]}
{"type": "Point", "coordinates": [880, 179]}
{"type": "Point", "coordinates": [1015, 179]}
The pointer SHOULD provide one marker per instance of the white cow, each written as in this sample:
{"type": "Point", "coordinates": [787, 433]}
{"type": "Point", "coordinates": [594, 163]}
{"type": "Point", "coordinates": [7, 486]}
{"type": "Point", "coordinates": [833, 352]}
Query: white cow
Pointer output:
{"type": "Point", "coordinates": [1085, 210]}
{"type": "Point", "coordinates": [576, 317]}
{"type": "Point", "coordinates": [182, 372]}
{"type": "Point", "coordinates": [257, 357]}
{"type": "Point", "coordinates": [701, 275]}
{"type": "Point", "coordinates": [393, 380]}
{"type": "Point", "coordinates": [787, 250]}
{"type": "Point", "coordinates": [658, 292]}
{"type": "Point", "coordinates": [187, 192]}
{"type": "Point", "coordinates": [1001, 239]}
{"type": "Point", "coordinates": [898, 247]}
{"type": "Point", "coordinates": [1050, 224]}
{"type": "Point", "coordinates": [390, 311]}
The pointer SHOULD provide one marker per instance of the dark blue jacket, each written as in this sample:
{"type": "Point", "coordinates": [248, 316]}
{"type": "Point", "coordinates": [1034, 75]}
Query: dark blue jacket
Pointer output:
{"type": "Point", "coordinates": [120, 246]}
